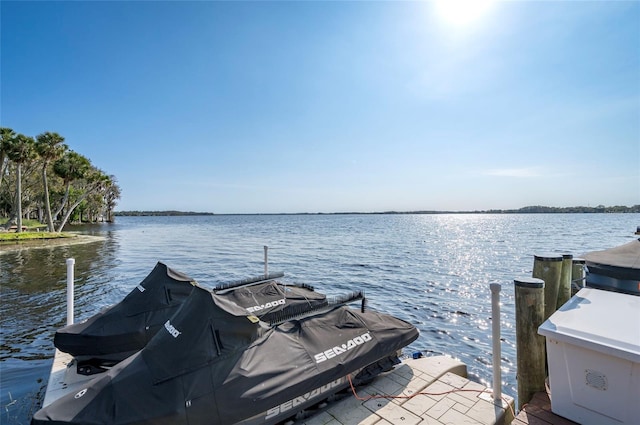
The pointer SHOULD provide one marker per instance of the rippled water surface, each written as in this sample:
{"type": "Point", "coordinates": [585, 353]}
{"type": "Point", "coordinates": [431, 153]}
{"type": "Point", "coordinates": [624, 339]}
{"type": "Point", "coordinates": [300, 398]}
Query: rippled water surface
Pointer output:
{"type": "Point", "coordinates": [431, 270]}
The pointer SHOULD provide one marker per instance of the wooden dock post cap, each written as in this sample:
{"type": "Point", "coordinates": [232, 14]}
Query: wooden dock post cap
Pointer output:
{"type": "Point", "coordinates": [547, 257]}
{"type": "Point", "coordinates": [529, 282]}
{"type": "Point", "coordinates": [567, 256]}
{"type": "Point", "coordinates": [579, 260]}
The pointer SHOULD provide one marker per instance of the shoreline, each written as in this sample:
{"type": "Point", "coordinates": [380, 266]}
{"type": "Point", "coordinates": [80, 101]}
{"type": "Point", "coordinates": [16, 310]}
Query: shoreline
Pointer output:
{"type": "Point", "coordinates": [78, 239]}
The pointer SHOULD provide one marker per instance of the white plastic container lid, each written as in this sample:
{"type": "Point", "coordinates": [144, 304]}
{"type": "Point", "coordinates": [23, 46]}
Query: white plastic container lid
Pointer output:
{"type": "Point", "coordinates": [603, 321]}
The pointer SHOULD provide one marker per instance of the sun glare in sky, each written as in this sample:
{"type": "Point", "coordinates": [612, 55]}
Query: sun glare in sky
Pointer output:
{"type": "Point", "coordinates": [462, 13]}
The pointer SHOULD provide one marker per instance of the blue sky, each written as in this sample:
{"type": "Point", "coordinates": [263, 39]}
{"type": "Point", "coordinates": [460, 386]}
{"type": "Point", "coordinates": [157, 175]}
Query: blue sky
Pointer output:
{"type": "Point", "coordinates": [245, 107]}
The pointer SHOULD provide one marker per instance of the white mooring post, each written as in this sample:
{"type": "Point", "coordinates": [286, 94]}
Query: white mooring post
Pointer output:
{"type": "Point", "coordinates": [70, 265]}
{"type": "Point", "coordinates": [266, 261]}
{"type": "Point", "coordinates": [495, 337]}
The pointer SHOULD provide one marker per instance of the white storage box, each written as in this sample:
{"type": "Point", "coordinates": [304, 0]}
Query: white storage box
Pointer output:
{"type": "Point", "coordinates": [593, 352]}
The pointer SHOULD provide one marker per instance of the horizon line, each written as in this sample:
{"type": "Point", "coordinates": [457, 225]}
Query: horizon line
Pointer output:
{"type": "Point", "coordinates": [522, 210]}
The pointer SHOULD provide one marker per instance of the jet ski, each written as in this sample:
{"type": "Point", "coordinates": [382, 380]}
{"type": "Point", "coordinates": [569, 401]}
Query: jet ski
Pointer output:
{"type": "Point", "coordinates": [213, 363]}
{"type": "Point", "coordinates": [125, 328]}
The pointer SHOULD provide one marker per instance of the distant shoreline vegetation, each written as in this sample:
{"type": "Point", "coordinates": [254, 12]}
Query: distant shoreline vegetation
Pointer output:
{"type": "Point", "coordinates": [158, 213]}
{"type": "Point", "coordinates": [536, 209]}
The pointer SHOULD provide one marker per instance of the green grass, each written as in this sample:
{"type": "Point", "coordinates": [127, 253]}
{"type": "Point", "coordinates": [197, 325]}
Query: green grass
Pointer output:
{"type": "Point", "coordinates": [26, 236]}
{"type": "Point", "coordinates": [32, 232]}
{"type": "Point", "coordinates": [30, 224]}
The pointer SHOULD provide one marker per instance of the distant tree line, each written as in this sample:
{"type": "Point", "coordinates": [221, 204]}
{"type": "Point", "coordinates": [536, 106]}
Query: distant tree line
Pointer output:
{"type": "Point", "coordinates": [42, 179]}
{"type": "Point", "coordinates": [538, 209]}
{"type": "Point", "coordinates": [158, 213]}
{"type": "Point", "coordinates": [598, 209]}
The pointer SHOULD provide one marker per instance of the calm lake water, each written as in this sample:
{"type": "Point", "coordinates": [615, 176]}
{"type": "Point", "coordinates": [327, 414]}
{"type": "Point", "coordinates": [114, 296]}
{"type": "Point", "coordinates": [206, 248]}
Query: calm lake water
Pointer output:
{"type": "Point", "coordinates": [431, 270]}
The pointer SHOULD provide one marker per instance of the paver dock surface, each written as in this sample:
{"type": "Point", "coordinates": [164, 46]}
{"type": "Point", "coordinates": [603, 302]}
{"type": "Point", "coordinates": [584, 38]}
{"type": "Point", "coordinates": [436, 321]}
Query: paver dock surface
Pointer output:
{"type": "Point", "coordinates": [426, 391]}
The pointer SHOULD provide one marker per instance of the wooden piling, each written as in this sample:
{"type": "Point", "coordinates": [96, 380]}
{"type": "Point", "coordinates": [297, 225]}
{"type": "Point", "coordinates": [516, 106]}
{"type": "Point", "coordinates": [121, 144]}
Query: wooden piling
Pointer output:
{"type": "Point", "coordinates": [564, 289]}
{"type": "Point", "coordinates": [530, 349]}
{"type": "Point", "coordinates": [548, 267]}
{"type": "Point", "coordinates": [578, 277]}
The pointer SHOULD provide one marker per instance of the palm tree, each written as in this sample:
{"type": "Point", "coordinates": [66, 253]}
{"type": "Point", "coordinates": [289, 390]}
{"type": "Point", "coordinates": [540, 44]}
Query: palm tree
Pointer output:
{"type": "Point", "coordinates": [71, 166]}
{"type": "Point", "coordinates": [50, 147]}
{"type": "Point", "coordinates": [6, 136]}
{"type": "Point", "coordinates": [20, 150]}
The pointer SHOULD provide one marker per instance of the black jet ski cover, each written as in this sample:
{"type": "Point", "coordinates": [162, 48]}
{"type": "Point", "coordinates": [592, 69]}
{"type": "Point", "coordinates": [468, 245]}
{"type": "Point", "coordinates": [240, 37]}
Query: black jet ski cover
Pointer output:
{"type": "Point", "coordinates": [211, 363]}
{"type": "Point", "coordinates": [126, 327]}
{"type": "Point", "coordinates": [266, 298]}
